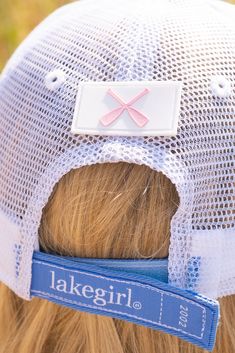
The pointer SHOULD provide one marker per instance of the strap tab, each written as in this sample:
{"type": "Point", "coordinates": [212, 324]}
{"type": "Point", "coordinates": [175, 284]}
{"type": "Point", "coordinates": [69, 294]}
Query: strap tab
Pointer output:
{"type": "Point", "coordinates": [125, 295]}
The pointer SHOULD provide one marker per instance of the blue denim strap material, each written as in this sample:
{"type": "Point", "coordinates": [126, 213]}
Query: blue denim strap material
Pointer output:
{"type": "Point", "coordinates": [131, 290]}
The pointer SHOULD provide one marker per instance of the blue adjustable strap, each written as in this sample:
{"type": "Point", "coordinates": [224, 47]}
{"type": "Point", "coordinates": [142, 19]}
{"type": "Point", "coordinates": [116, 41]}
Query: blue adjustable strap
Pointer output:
{"type": "Point", "coordinates": [131, 290]}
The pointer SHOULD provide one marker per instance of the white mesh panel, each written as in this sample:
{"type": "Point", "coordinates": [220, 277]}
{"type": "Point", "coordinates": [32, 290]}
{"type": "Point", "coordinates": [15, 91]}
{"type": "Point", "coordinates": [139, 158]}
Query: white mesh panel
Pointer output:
{"type": "Point", "coordinates": [185, 40]}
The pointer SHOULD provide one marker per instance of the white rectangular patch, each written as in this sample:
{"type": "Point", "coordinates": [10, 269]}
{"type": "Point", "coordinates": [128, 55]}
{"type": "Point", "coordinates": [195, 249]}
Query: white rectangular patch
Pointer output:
{"type": "Point", "coordinates": [134, 108]}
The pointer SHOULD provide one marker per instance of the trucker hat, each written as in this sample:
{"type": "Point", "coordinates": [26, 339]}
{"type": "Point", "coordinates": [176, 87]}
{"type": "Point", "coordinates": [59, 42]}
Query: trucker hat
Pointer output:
{"type": "Point", "coordinates": [141, 81]}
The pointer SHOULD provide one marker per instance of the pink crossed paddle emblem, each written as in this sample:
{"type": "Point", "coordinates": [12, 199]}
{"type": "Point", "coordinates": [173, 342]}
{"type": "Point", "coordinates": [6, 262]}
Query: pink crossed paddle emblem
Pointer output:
{"type": "Point", "coordinates": [139, 118]}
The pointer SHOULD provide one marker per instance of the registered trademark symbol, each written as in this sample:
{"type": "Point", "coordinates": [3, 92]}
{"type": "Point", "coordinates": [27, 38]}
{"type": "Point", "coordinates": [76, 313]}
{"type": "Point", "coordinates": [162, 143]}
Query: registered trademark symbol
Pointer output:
{"type": "Point", "coordinates": [137, 305]}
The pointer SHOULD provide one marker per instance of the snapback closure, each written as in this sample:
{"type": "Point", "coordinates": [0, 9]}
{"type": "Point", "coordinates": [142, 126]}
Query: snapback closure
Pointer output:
{"type": "Point", "coordinates": [93, 286]}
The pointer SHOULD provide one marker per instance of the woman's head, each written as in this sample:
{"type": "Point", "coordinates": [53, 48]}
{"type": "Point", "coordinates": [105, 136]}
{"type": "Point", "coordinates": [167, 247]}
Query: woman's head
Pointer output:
{"type": "Point", "coordinates": [117, 210]}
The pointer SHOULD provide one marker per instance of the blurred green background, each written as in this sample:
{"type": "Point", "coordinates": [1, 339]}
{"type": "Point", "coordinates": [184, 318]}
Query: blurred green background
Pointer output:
{"type": "Point", "coordinates": [19, 17]}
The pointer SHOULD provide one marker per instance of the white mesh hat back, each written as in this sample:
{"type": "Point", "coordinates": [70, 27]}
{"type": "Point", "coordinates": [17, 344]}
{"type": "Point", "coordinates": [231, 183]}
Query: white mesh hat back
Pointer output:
{"type": "Point", "coordinates": [192, 41]}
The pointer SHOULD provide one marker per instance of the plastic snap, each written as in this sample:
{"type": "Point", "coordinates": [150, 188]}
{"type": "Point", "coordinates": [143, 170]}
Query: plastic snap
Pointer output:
{"type": "Point", "coordinates": [54, 79]}
{"type": "Point", "coordinates": [220, 86]}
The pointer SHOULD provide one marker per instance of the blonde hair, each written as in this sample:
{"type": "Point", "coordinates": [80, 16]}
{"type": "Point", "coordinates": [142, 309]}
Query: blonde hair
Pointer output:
{"type": "Point", "coordinates": [115, 210]}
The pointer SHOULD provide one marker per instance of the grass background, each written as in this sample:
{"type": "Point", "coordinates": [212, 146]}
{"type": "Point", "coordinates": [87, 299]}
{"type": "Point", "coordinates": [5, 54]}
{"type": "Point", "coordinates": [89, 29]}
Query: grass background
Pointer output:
{"type": "Point", "coordinates": [19, 17]}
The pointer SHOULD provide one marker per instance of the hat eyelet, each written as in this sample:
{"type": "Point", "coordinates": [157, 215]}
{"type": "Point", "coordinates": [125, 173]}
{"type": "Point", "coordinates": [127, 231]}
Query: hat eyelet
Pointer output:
{"type": "Point", "coordinates": [220, 87]}
{"type": "Point", "coordinates": [54, 79]}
